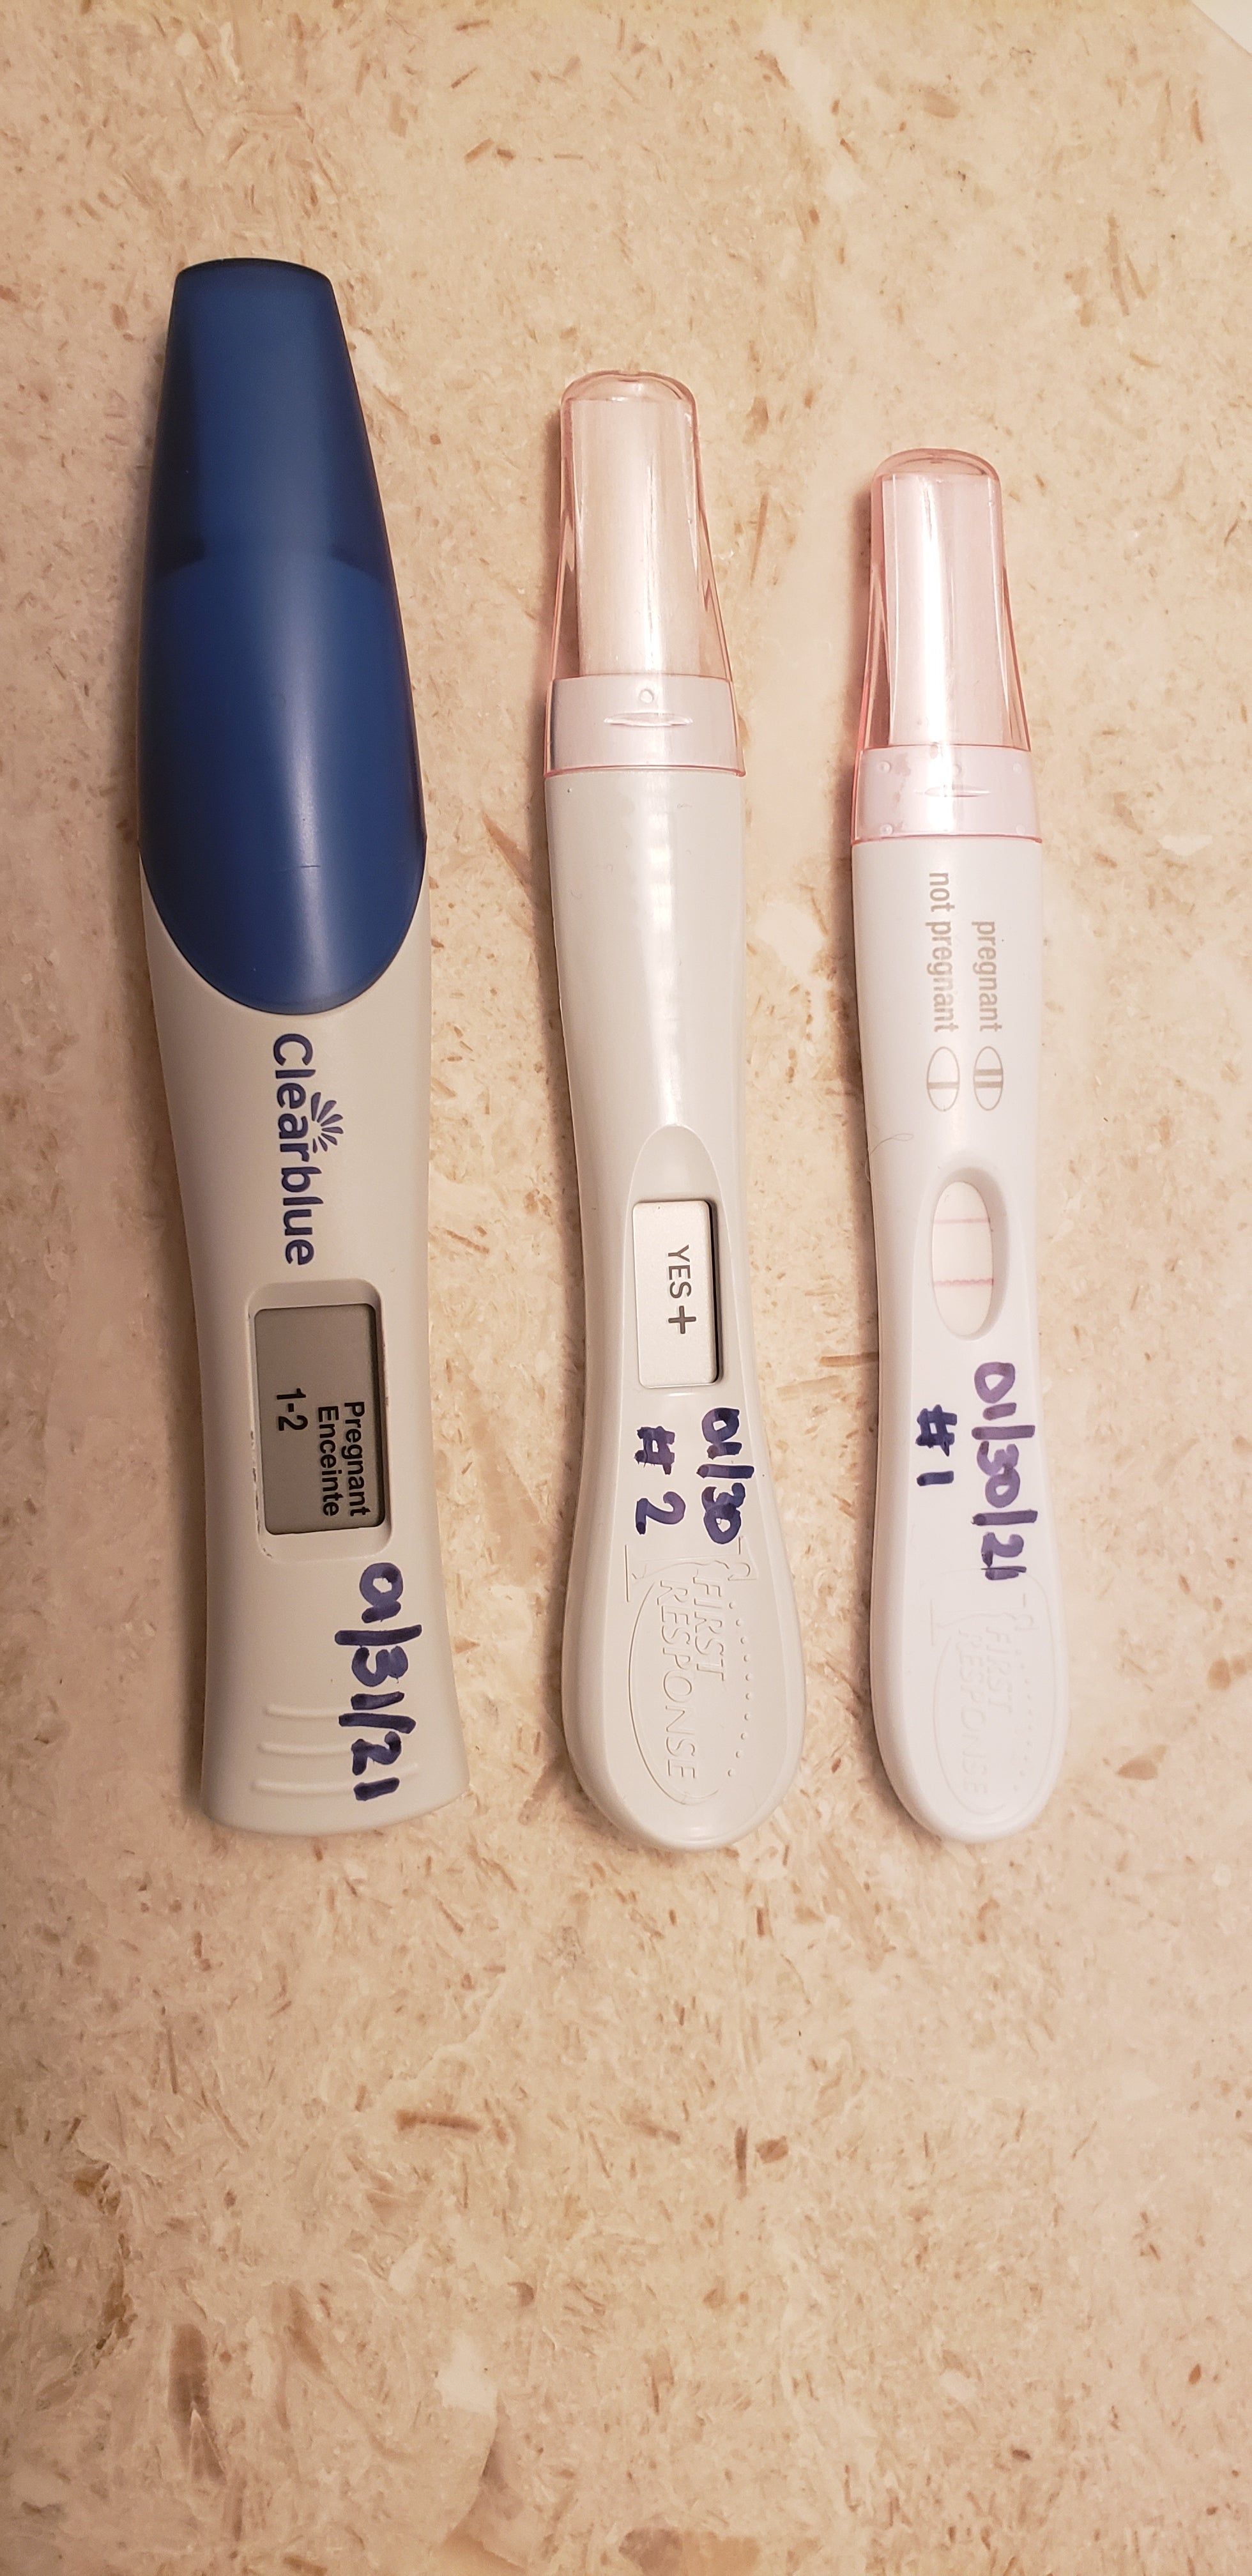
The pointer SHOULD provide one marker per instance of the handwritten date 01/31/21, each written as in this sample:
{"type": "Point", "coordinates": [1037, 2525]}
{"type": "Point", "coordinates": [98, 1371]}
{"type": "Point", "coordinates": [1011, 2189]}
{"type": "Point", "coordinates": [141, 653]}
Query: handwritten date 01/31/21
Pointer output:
{"type": "Point", "coordinates": [723, 1475]}
{"type": "Point", "coordinates": [377, 1662]}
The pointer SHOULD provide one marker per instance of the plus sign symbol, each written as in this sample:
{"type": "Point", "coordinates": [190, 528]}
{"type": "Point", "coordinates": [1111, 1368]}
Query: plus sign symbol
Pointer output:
{"type": "Point", "coordinates": [682, 1319]}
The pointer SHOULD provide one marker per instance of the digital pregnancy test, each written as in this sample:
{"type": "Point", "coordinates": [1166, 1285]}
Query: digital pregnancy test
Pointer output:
{"type": "Point", "coordinates": [967, 1650]}
{"type": "Point", "coordinates": [683, 1680]}
{"type": "Point", "coordinates": [288, 938]}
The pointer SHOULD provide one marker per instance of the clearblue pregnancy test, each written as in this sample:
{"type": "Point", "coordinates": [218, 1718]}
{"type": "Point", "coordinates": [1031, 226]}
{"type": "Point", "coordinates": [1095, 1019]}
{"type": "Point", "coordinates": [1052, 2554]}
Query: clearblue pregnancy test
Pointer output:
{"type": "Point", "coordinates": [683, 1679]}
{"type": "Point", "coordinates": [967, 1648]}
{"type": "Point", "coordinates": [288, 938]}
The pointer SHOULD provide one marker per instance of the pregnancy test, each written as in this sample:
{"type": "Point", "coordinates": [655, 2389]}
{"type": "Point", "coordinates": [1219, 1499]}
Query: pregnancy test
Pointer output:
{"type": "Point", "coordinates": [967, 1646]}
{"type": "Point", "coordinates": [288, 934]}
{"type": "Point", "coordinates": [683, 1681]}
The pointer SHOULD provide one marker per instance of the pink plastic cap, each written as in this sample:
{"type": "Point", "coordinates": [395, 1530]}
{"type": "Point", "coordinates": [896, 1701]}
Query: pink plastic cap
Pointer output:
{"type": "Point", "coordinates": [640, 673]}
{"type": "Point", "coordinates": [943, 746]}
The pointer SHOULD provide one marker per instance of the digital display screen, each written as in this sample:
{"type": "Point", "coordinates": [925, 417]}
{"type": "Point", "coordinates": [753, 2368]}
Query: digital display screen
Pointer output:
{"type": "Point", "coordinates": [318, 1409]}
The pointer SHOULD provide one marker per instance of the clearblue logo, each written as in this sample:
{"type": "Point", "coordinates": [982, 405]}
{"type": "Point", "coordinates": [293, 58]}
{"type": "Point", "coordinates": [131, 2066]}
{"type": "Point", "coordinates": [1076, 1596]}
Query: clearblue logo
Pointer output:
{"type": "Point", "coordinates": [325, 1123]}
{"type": "Point", "coordinates": [309, 1124]}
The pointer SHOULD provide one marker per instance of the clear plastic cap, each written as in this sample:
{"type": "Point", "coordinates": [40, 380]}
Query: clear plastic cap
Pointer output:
{"type": "Point", "coordinates": [635, 591]}
{"type": "Point", "coordinates": [940, 665]}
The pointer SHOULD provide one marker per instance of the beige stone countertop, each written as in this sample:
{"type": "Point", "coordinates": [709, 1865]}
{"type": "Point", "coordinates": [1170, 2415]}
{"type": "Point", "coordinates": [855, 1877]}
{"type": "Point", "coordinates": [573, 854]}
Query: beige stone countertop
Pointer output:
{"type": "Point", "coordinates": [487, 2193]}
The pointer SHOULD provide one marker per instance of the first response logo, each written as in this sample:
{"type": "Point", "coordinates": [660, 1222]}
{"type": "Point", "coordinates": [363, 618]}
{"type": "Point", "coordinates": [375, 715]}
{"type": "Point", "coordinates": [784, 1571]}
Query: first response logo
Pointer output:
{"type": "Point", "coordinates": [309, 1124]}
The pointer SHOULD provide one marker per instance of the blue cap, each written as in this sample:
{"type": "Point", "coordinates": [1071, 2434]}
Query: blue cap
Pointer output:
{"type": "Point", "coordinates": [280, 802]}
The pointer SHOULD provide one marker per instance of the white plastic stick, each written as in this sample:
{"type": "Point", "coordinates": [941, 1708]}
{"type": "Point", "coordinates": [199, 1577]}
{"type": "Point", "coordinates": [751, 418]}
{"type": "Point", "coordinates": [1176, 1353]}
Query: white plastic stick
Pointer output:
{"type": "Point", "coordinates": [967, 1651]}
{"type": "Point", "coordinates": [683, 1681]}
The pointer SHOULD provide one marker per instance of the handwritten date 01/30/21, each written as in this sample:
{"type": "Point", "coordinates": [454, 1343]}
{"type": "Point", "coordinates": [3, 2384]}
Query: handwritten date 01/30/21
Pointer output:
{"type": "Point", "coordinates": [1000, 1438]}
{"type": "Point", "coordinates": [723, 1476]}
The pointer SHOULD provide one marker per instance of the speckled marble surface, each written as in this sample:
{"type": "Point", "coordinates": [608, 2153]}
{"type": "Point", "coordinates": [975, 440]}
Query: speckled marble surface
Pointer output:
{"type": "Point", "coordinates": [487, 2193]}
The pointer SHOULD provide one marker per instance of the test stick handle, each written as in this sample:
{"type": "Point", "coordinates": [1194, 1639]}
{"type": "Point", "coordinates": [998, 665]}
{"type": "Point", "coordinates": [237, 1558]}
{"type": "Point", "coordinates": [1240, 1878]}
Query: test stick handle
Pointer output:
{"type": "Point", "coordinates": [683, 1680]}
{"type": "Point", "coordinates": [967, 1646]}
